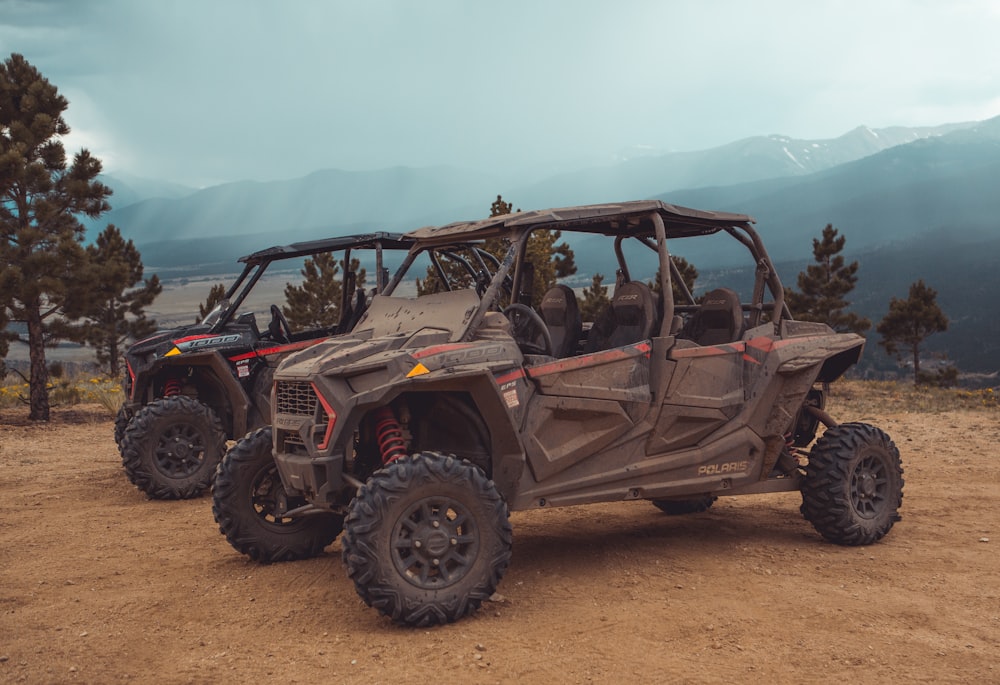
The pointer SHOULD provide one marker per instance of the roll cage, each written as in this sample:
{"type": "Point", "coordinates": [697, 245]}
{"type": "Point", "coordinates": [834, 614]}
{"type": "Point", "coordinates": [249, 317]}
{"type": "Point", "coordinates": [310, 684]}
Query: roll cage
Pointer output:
{"type": "Point", "coordinates": [256, 263]}
{"type": "Point", "coordinates": [651, 223]}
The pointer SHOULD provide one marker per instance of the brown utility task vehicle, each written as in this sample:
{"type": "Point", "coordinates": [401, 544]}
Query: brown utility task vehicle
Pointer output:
{"type": "Point", "coordinates": [421, 429]}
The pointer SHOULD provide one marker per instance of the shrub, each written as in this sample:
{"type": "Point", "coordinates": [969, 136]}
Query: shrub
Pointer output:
{"type": "Point", "coordinates": [944, 377]}
{"type": "Point", "coordinates": [100, 390]}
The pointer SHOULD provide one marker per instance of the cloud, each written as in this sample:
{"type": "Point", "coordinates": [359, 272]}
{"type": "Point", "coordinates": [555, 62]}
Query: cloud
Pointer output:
{"type": "Point", "coordinates": [208, 92]}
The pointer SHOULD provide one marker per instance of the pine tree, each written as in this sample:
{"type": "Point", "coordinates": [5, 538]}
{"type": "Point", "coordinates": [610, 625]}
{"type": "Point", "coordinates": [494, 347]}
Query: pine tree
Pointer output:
{"type": "Point", "coordinates": [689, 274]}
{"type": "Point", "coordinates": [595, 299]}
{"type": "Point", "coordinates": [497, 246]}
{"type": "Point", "coordinates": [499, 207]}
{"type": "Point", "coordinates": [316, 302]}
{"type": "Point", "coordinates": [215, 296]}
{"type": "Point", "coordinates": [458, 276]}
{"type": "Point", "coordinates": [4, 345]}
{"type": "Point", "coordinates": [116, 314]}
{"type": "Point", "coordinates": [824, 285]}
{"type": "Point", "coordinates": [910, 322]}
{"type": "Point", "coordinates": [41, 251]}
{"type": "Point", "coordinates": [5, 337]}
{"type": "Point", "coordinates": [551, 261]}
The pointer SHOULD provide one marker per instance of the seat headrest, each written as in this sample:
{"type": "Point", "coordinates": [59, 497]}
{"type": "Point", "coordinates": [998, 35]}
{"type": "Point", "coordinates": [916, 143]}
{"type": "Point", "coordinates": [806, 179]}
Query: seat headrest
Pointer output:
{"type": "Point", "coordinates": [561, 314]}
{"type": "Point", "coordinates": [720, 319]}
{"type": "Point", "coordinates": [557, 299]}
{"type": "Point", "coordinates": [633, 304]}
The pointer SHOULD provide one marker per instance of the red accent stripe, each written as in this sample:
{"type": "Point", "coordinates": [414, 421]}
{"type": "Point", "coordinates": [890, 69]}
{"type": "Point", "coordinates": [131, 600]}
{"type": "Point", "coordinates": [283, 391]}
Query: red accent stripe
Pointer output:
{"type": "Point", "coordinates": [131, 385]}
{"type": "Point", "coordinates": [603, 357]}
{"type": "Point", "coordinates": [192, 337]}
{"type": "Point", "coordinates": [439, 349]}
{"type": "Point", "coordinates": [769, 344]}
{"type": "Point", "coordinates": [762, 344]}
{"type": "Point", "coordinates": [510, 376]}
{"type": "Point", "coordinates": [709, 351]}
{"type": "Point", "coordinates": [330, 413]}
{"type": "Point", "coordinates": [329, 424]}
{"type": "Point", "coordinates": [276, 350]}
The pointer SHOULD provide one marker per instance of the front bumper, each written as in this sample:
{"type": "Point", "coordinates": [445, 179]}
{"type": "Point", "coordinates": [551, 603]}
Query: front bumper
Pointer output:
{"type": "Point", "coordinates": [318, 479]}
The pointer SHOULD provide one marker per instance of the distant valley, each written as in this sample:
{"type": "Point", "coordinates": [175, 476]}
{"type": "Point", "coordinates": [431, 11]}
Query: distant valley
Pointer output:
{"type": "Point", "coordinates": [913, 203]}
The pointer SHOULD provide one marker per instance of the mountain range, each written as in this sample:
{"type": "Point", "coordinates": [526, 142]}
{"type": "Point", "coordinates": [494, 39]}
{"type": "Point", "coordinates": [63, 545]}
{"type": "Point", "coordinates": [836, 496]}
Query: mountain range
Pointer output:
{"type": "Point", "coordinates": [333, 201]}
{"type": "Point", "coordinates": [912, 203]}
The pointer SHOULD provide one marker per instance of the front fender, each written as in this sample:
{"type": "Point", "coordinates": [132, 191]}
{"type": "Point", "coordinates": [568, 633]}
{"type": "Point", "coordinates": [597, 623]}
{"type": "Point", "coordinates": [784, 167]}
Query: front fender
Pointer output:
{"type": "Point", "coordinates": [228, 391]}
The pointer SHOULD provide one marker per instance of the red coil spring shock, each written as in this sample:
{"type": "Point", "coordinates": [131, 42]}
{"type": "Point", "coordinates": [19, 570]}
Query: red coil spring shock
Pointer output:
{"type": "Point", "coordinates": [172, 387]}
{"type": "Point", "coordinates": [389, 435]}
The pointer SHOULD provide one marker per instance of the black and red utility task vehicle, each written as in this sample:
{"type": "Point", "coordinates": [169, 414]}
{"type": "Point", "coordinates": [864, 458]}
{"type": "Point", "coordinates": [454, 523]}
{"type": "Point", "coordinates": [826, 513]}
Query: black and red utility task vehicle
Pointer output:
{"type": "Point", "coordinates": [417, 432]}
{"type": "Point", "coordinates": [191, 388]}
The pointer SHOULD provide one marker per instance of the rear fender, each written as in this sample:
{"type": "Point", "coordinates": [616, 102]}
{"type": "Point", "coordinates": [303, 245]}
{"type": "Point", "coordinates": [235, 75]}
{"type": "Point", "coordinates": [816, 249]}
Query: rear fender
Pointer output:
{"type": "Point", "coordinates": [811, 354]}
{"type": "Point", "coordinates": [804, 344]}
{"type": "Point", "coordinates": [835, 366]}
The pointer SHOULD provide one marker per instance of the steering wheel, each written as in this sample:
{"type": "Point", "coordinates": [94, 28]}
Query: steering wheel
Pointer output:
{"type": "Point", "coordinates": [530, 332]}
{"type": "Point", "coordinates": [483, 279]}
{"type": "Point", "coordinates": [279, 328]}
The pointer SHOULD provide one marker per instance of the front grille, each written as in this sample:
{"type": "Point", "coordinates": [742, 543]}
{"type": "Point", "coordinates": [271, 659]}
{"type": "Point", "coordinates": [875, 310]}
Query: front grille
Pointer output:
{"type": "Point", "coordinates": [290, 440]}
{"type": "Point", "coordinates": [296, 398]}
{"type": "Point", "coordinates": [299, 398]}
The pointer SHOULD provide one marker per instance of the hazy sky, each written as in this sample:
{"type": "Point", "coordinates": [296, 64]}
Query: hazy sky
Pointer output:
{"type": "Point", "coordinates": [207, 91]}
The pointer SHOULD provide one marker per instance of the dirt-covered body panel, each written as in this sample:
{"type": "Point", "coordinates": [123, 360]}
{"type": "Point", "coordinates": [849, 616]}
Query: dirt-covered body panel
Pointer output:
{"type": "Point", "coordinates": [675, 402]}
{"type": "Point", "coordinates": [663, 416]}
{"type": "Point", "coordinates": [720, 426]}
{"type": "Point", "coordinates": [587, 428]}
{"type": "Point", "coordinates": [345, 379]}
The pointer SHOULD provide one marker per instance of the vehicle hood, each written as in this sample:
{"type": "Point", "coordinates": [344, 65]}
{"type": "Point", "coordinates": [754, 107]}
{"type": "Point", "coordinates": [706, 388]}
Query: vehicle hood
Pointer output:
{"type": "Point", "coordinates": [355, 354]}
{"type": "Point", "coordinates": [166, 338]}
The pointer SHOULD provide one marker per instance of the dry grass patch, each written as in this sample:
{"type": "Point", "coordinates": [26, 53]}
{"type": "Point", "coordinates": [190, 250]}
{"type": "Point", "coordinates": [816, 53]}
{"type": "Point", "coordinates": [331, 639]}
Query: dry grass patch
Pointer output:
{"type": "Point", "coordinates": [864, 398]}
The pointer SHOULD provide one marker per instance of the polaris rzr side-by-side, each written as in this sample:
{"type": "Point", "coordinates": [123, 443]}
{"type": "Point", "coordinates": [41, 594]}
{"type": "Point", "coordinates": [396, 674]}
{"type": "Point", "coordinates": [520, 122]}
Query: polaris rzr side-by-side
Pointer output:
{"type": "Point", "coordinates": [191, 388]}
{"type": "Point", "coordinates": [417, 432]}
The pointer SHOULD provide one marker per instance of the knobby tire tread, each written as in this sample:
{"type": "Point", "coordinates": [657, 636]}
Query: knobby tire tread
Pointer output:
{"type": "Point", "coordinates": [373, 573]}
{"type": "Point", "coordinates": [233, 509]}
{"type": "Point", "coordinates": [826, 497]}
{"type": "Point", "coordinates": [139, 440]}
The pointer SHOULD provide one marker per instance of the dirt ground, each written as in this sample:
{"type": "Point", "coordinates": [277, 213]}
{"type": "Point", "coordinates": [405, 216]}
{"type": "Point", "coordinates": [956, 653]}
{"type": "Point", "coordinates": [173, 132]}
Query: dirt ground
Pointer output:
{"type": "Point", "coordinates": [100, 585]}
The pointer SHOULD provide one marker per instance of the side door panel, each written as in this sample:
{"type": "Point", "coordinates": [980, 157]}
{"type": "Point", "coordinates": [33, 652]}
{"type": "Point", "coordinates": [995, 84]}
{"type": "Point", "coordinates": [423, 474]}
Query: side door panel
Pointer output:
{"type": "Point", "coordinates": [583, 404]}
{"type": "Point", "coordinates": [705, 391]}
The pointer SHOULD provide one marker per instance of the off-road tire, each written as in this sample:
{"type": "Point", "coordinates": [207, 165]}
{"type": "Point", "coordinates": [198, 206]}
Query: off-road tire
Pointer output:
{"type": "Point", "coordinates": [678, 507]}
{"type": "Point", "coordinates": [172, 446]}
{"type": "Point", "coordinates": [246, 490]}
{"type": "Point", "coordinates": [853, 484]}
{"type": "Point", "coordinates": [416, 511]}
{"type": "Point", "coordinates": [122, 419]}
